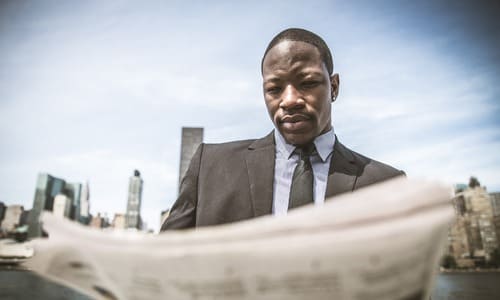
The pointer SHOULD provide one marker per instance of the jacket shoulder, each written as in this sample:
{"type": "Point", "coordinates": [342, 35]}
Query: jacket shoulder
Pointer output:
{"type": "Point", "coordinates": [228, 146]}
{"type": "Point", "coordinates": [241, 146]}
{"type": "Point", "coordinates": [372, 171]}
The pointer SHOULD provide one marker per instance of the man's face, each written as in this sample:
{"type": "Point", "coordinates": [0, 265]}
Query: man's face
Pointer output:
{"type": "Point", "coordinates": [298, 91]}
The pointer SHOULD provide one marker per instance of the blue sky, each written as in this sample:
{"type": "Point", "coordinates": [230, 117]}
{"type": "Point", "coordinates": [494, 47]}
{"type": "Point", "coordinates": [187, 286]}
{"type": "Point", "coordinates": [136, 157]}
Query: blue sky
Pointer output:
{"type": "Point", "coordinates": [91, 90]}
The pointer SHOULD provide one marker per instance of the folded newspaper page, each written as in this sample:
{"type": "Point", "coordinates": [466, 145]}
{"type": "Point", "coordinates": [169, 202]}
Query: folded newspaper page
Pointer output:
{"type": "Point", "coordinates": [381, 242]}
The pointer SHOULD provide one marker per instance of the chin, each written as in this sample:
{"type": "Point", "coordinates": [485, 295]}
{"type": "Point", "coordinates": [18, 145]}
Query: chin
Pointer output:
{"type": "Point", "coordinates": [297, 139]}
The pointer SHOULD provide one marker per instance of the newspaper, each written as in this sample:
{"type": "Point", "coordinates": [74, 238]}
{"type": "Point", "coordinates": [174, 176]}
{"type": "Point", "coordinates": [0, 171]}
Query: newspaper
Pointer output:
{"type": "Point", "coordinates": [381, 242]}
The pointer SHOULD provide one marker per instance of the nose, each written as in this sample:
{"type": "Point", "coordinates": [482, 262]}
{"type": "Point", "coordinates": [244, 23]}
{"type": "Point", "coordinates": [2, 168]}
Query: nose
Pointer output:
{"type": "Point", "coordinates": [291, 98]}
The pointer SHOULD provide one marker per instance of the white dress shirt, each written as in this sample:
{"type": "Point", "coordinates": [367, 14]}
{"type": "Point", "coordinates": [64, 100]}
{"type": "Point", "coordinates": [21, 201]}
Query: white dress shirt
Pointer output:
{"type": "Point", "coordinates": [285, 163]}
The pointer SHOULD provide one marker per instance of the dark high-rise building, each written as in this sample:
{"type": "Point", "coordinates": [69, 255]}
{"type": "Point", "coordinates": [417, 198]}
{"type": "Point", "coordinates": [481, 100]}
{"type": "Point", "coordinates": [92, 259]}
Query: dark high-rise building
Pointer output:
{"type": "Point", "coordinates": [25, 217]}
{"type": "Point", "coordinates": [47, 188]}
{"type": "Point", "coordinates": [192, 137]}
{"type": "Point", "coordinates": [3, 208]}
{"type": "Point", "coordinates": [73, 191]}
{"type": "Point", "coordinates": [133, 219]}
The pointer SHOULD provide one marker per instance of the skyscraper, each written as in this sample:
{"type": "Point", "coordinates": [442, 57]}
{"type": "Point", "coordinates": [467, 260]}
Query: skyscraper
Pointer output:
{"type": "Point", "coordinates": [73, 191]}
{"type": "Point", "coordinates": [134, 201]}
{"type": "Point", "coordinates": [192, 137]}
{"type": "Point", "coordinates": [47, 187]}
{"type": "Point", "coordinates": [3, 208]}
{"type": "Point", "coordinates": [85, 204]}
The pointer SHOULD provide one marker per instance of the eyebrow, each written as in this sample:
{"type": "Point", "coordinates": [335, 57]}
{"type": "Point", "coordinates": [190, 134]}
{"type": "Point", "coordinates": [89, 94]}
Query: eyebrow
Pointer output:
{"type": "Point", "coordinates": [302, 74]}
{"type": "Point", "coordinates": [272, 79]}
{"type": "Point", "coordinates": [312, 73]}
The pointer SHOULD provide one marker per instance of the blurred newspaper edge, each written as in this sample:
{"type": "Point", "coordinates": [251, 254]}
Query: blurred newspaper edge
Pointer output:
{"type": "Point", "coordinates": [381, 242]}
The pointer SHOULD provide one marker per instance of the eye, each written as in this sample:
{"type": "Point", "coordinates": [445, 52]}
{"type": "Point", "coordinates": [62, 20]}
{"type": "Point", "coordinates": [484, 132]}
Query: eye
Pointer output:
{"type": "Point", "coordinates": [273, 90]}
{"type": "Point", "coordinates": [309, 84]}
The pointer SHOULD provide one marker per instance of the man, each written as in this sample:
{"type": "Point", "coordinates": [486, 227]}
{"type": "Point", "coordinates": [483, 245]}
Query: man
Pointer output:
{"type": "Point", "coordinates": [300, 162]}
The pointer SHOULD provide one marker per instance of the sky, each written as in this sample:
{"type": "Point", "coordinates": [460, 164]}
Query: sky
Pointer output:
{"type": "Point", "coordinates": [91, 90]}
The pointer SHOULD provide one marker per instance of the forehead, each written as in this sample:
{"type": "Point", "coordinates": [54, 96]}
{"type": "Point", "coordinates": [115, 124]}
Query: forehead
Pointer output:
{"type": "Point", "coordinates": [290, 56]}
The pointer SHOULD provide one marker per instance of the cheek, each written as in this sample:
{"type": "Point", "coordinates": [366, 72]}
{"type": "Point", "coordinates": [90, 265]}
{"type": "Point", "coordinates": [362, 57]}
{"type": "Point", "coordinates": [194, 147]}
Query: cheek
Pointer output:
{"type": "Point", "coordinates": [324, 110]}
{"type": "Point", "coordinates": [272, 107]}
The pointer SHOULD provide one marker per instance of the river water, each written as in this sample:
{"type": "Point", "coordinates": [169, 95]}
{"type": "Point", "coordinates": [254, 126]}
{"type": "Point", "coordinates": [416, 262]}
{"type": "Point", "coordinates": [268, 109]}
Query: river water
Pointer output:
{"type": "Point", "coordinates": [473, 286]}
{"type": "Point", "coordinates": [20, 285]}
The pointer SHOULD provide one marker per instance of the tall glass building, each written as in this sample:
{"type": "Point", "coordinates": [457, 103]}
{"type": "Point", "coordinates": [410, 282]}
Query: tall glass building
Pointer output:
{"type": "Point", "coordinates": [133, 215]}
{"type": "Point", "coordinates": [192, 137]}
{"type": "Point", "coordinates": [73, 191]}
{"type": "Point", "coordinates": [85, 204]}
{"type": "Point", "coordinates": [47, 188]}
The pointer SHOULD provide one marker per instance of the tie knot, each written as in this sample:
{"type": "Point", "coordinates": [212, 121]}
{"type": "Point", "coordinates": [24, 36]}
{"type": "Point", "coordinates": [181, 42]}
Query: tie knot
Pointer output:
{"type": "Point", "coordinates": [306, 150]}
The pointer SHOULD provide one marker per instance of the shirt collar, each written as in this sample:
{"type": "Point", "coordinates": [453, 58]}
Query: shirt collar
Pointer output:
{"type": "Point", "coordinates": [323, 143]}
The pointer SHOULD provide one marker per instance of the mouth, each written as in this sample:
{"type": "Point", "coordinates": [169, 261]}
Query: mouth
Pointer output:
{"type": "Point", "coordinates": [295, 118]}
{"type": "Point", "coordinates": [295, 122]}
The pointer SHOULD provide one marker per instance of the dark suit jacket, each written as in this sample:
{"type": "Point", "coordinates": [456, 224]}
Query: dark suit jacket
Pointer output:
{"type": "Point", "coordinates": [234, 181]}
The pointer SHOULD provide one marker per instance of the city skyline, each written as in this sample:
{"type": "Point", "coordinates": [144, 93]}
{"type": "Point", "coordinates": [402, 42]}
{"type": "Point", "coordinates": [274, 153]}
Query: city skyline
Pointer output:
{"type": "Point", "coordinates": [92, 91]}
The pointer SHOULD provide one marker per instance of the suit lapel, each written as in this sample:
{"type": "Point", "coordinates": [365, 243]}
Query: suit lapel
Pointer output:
{"type": "Point", "coordinates": [261, 154]}
{"type": "Point", "coordinates": [259, 158]}
{"type": "Point", "coordinates": [343, 171]}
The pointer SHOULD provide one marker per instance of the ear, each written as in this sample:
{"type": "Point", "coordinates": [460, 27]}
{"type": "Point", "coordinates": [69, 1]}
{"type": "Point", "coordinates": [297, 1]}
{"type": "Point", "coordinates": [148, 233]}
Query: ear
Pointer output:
{"type": "Point", "coordinates": [335, 81]}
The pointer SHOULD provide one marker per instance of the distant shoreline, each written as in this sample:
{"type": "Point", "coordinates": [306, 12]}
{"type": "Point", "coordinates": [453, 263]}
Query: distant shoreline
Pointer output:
{"type": "Point", "coordinates": [447, 271]}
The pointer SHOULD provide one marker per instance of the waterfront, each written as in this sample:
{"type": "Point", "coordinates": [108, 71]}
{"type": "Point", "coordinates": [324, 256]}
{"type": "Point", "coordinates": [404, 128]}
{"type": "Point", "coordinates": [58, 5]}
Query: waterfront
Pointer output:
{"type": "Point", "coordinates": [20, 285]}
{"type": "Point", "coordinates": [467, 285]}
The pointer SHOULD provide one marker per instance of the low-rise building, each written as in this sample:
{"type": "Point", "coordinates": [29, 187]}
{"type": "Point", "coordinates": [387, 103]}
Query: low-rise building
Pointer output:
{"type": "Point", "coordinates": [99, 221]}
{"type": "Point", "coordinates": [12, 217]}
{"type": "Point", "coordinates": [62, 206]}
{"type": "Point", "coordinates": [118, 221]}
